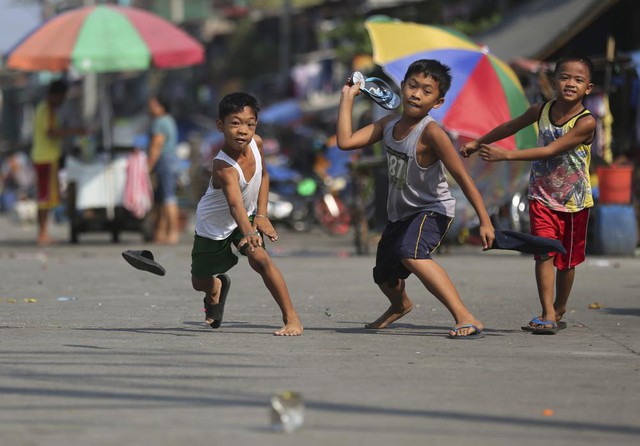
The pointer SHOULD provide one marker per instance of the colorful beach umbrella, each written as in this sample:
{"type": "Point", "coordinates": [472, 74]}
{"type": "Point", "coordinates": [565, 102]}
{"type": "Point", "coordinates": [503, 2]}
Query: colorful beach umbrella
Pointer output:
{"type": "Point", "coordinates": [484, 91]}
{"type": "Point", "coordinates": [105, 38]}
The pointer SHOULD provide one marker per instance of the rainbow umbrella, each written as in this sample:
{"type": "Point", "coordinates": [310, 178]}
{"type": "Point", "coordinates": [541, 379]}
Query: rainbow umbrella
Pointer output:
{"type": "Point", "coordinates": [484, 90]}
{"type": "Point", "coordinates": [484, 93]}
{"type": "Point", "coordinates": [105, 38]}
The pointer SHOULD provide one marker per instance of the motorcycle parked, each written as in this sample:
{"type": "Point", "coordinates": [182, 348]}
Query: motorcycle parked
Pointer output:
{"type": "Point", "coordinates": [300, 201]}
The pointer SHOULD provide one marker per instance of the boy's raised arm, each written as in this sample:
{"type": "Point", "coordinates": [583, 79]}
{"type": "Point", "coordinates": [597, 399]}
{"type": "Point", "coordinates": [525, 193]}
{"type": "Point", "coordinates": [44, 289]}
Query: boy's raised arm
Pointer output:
{"type": "Point", "coordinates": [345, 137]}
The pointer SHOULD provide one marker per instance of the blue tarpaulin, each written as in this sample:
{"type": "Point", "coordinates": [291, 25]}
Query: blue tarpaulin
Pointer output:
{"type": "Point", "coordinates": [282, 113]}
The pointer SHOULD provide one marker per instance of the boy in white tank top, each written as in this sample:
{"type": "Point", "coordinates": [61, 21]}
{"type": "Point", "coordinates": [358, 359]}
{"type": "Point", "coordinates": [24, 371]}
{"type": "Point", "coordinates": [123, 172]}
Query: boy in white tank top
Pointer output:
{"type": "Point", "coordinates": [419, 205]}
{"type": "Point", "coordinates": [233, 211]}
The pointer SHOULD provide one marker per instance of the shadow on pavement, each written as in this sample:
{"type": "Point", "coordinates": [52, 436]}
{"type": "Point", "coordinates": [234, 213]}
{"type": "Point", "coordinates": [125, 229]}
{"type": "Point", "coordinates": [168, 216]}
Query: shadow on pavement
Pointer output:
{"type": "Point", "coordinates": [622, 311]}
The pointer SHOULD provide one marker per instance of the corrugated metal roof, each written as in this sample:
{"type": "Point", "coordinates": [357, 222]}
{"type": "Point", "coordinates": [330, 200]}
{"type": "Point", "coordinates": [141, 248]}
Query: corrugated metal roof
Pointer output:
{"type": "Point", "coordinates": [536, 29]}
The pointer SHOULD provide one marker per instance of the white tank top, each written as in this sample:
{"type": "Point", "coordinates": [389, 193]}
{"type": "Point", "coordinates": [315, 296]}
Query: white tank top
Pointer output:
{"type": "Point", "coordinates": [413, 188]}
{"type": "Point", "coordinates": [213, 218]}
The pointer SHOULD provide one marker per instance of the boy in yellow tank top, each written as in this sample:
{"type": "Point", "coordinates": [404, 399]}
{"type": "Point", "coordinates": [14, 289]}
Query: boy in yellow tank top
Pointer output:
{"type": "Point", "coordinates": [559, 187]}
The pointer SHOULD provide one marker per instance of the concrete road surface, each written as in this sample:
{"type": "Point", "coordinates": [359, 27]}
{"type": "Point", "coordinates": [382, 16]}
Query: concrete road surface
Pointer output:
{"type": "Point", "coordinates": [127, 360]}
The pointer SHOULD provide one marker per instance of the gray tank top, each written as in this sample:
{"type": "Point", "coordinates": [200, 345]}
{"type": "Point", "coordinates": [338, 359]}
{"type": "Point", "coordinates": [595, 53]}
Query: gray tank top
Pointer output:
{"type": "Point", "coordinates": [413, 188]}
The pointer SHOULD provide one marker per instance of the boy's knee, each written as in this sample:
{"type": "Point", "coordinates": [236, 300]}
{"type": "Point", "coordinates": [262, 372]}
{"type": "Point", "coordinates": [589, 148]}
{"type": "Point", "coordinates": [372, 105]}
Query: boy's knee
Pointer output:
{"type": "Point", "coordinates": [384, 279]}
{"type": "Point", "coordinates": [259, 259]}
{"type": "Point", "coordinates": [201, 283]}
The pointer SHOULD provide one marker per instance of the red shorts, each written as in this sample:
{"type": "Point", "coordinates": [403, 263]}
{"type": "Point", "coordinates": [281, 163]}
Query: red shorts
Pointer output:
{"type": "Point", "coordinates": [48, 188]}
{"type": "Point", "coordinates": [568, 227]}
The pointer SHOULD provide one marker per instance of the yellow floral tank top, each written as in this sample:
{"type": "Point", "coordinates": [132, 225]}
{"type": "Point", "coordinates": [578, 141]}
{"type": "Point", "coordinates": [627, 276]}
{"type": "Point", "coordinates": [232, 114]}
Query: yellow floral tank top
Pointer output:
{"type": "Point", "coordinates": [561, 182]}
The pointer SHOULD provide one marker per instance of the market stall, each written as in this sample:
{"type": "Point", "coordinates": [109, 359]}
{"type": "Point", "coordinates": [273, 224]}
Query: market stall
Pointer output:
{"type": "Point", "coordinates": [103, 39]}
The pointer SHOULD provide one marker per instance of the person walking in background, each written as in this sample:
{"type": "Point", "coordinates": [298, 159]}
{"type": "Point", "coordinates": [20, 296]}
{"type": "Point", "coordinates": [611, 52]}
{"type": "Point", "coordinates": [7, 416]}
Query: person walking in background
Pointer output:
{"type": "Point", "coordinates": [161, 159]}
{"type": "Point", "coordinates": [559, 184]}
{"type": "Point", "coordinates": [233, 212]}
{"type": "Point", "coordinates": [46, 153]}
{"type": "Point", "coordinates": [420, 206]}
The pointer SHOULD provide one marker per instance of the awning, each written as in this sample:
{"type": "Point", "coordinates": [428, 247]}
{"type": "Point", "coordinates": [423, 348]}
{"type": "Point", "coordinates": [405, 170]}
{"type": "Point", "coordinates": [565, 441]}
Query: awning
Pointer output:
{"type": "Point", "coordinates": [538, 28]}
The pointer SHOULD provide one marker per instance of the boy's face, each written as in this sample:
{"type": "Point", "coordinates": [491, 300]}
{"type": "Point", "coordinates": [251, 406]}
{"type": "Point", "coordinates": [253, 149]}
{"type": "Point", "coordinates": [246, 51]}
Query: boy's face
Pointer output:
{"type": "Point", "coordinates": [573, 82]}
{"type": "Point", "coordinates": [238, 129]}
{"type": "Point", "coordinates": [420, 94]}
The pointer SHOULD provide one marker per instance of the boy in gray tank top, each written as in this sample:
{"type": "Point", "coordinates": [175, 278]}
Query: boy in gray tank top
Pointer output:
{"type": "Point", "coordinates": [419, 205]}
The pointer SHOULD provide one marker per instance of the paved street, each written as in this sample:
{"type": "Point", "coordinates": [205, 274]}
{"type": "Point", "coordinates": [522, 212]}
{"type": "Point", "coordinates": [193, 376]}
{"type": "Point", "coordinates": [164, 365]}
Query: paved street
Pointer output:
{"type": "Point", "coordinates": [129, 361]}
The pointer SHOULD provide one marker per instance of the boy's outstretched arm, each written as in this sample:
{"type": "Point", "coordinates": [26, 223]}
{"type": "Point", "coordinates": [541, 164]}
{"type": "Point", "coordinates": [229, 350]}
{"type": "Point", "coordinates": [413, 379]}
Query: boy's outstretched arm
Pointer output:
{"type": "Point", "coordinates": [583, 131]}
{"type": "Point", "coordinates": [228, 178]}
{"type": "Point", "coordinates": [436, 138]}
{"type": "Point", "coordinates": [261, 222]}
{"type": "Point", "coordinates": [345, 137]}
{"type": "Point", "coordinates": [502, 131]}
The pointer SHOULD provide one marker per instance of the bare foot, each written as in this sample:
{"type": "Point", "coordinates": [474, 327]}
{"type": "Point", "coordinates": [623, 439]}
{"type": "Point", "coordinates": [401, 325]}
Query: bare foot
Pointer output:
{"type": "Point", "coordinates": [560, 313]}
{"type": "Point", "coordinates": [172, 239]}
{"type": "Point", "coordinates": [46, 241]}
{"type": "Point", "coordinates": [467, 328]}
{"type": "Point", "coordinates": [392, 314]}
{"type": "Point", "coordinates": [292, 328]}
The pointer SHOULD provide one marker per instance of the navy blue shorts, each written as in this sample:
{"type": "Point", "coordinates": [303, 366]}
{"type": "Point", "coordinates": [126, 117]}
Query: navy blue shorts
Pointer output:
{"type": "Point", "coordinates": [414, 238]}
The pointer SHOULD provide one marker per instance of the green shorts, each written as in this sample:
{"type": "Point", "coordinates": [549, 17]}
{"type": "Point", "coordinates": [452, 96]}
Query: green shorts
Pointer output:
{"type": "Point", "coordinates": [210, 257]}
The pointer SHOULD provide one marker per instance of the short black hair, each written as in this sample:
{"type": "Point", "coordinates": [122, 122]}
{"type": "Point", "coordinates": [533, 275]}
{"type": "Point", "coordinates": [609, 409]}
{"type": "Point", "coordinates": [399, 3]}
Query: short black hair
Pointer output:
{"type": "Point", "coordinates": [588, 63]}
{"type": "Point", "coordinates": [432, 68]}
{"type": "Point", "coordinates": [236, 102]}
{"type": "Point", "coordinates": [164, 102]}
{"type": "Point", "coordinates": [58, 87]}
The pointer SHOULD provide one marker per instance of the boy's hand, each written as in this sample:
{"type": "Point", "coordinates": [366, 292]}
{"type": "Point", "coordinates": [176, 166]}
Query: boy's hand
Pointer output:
{"type": "Point", "coordinates": [487, 235]}
{"type": "Point", "coordinates": [469, 148]}
{"type": "Point", "coordinates": [250, 241]}
{"type": "Point", "coordinates": [349, 88]}
{"type": "Point", "coordinates": [263, 224]}
{"type": "Point", "coordinates": [492, 153]}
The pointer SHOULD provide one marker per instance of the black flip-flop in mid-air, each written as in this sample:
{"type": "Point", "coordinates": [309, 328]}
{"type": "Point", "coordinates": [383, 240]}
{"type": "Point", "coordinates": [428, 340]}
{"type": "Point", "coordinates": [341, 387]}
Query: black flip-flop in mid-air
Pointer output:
{"type": "Point", "coordinates": [143, 260]}
{"type": "Point", "coordinates": [378, 90]}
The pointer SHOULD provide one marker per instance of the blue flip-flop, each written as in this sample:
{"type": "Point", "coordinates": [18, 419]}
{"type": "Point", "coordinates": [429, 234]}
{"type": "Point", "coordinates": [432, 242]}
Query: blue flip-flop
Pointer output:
{"type": "Point", "coordinates": [537, 321]}
{"type": "Point", "coordinates": [544, 327]}
{"type": "Point", "coordinates": [477, 334]}
{"type": "Point", "coordinates": [378, 90]}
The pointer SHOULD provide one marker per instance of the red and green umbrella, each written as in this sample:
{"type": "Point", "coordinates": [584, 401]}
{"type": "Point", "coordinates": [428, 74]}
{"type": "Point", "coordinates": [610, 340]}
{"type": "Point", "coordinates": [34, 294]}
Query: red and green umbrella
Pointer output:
{"type": "Point", "coordinates": [484, 90]}
{"type": "Point", "coordinates": [105, 38]}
